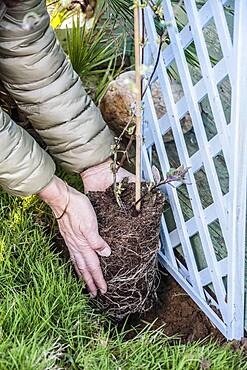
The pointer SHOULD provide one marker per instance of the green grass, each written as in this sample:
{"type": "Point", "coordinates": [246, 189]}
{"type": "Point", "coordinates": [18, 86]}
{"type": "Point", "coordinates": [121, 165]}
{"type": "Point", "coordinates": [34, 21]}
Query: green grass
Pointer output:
{"type": "Point", "coordinates": [45, 319]}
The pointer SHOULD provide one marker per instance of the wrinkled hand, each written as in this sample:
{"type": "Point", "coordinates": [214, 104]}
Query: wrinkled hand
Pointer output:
{"type": "Point", "coordinates": [79, 228]}
{"type": "Point", "coordinates": [100, 177]}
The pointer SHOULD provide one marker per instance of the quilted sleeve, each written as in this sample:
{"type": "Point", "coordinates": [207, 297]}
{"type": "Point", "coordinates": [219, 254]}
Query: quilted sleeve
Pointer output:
{"type": "Point", "coordinates": [35, 70]}
{"type": "Point", "coordinates": [25, 168]}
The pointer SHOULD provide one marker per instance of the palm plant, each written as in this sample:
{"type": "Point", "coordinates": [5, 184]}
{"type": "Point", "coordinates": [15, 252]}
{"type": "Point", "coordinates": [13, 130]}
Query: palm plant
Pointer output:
{"type": "Point", "coordinates": [95, 51]}
{"type": "Point", "coordinates": [86, 48]}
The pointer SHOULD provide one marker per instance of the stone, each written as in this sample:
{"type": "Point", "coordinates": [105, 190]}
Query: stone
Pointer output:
{"type": "Point", "coordinates": [118, 103]}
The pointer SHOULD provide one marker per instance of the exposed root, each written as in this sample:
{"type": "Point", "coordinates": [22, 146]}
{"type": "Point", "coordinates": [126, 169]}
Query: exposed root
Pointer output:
{"type": "Point", "coordinates": [131, 271]}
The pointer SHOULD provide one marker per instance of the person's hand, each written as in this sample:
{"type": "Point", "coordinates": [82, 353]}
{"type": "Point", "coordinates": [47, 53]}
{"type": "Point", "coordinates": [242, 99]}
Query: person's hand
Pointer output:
{"type": "Point", "coordinates": [100, 177]}
{"type": "Point", "coordinates": [79, 228]}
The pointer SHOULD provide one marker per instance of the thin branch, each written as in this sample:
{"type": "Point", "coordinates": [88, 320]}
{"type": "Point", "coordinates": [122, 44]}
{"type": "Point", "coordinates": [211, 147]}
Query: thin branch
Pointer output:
{"type": "Point", "coordinates": [125, 155]}
{"type": "Point", "coordinates": [178, 175]}
{"type": "Point", "coordinates": [155, 67]}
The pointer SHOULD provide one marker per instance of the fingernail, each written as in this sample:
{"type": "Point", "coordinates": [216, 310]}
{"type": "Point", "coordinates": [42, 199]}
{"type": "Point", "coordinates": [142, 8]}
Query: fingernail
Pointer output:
{"type": "Point", "coordinates": [103, 291]}
{"type": "Point", "coordinates": [106, 252]}
{"type": "Point", "coordinates": [93, 294]}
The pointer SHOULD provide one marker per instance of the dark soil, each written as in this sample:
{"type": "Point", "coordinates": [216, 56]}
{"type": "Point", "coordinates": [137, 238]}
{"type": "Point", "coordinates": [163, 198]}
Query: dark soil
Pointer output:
{"type": "Point", "coordinates": [177, 314]}
{"type": "Point", "coordinates": [131, 270]}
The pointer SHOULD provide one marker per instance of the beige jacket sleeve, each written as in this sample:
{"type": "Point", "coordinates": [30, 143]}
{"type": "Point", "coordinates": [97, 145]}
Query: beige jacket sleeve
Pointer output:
{"type": "Point", "coordinates": [34, 69]}
{"type": "Point", "coordinates": [25, 168]}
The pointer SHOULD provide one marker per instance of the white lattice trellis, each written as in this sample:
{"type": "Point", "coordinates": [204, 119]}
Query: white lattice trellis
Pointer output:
{"type": "Point", "coordinates": [217, 285]}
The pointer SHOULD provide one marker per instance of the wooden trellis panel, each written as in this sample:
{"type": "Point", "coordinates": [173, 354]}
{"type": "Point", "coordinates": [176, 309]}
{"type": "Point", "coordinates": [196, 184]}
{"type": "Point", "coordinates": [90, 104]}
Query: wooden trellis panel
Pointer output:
{"type": "Point", "coordinates": [204, 249]}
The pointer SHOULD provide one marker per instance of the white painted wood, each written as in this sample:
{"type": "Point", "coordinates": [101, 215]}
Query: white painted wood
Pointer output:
{"type": "Point", "coordinates": [229, 209]}
{"type": "Point", "coordinates": [223, 33]}
{"type": "Point", "coordinates": [172, 194]}
{"type": "Point", "coordinates": [164, 235]}
{"type": "Point", "coordinates": [207, 73]}
{"type": "Point", "coordinates": [238, 177]}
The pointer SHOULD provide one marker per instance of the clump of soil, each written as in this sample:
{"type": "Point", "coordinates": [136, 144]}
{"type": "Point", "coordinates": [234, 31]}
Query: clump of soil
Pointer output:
{"type": "Point", "coordinates": [177, 314]}
{"type": "Point", "coordinates": [131, 270]}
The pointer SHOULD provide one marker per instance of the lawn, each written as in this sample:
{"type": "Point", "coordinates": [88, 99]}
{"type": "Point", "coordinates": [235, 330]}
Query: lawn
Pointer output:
{"type": "Point", "coordinates": [47, 323]}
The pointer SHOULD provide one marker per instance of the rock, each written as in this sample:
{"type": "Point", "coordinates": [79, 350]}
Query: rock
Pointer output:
{"type": "Point", "coordinates": [118, 103]}
{"type": "Point", "coordinates": [119, 100]}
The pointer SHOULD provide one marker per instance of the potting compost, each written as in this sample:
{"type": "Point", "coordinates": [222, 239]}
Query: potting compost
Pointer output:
{"type": "Point", "coordinates": [131, 272]}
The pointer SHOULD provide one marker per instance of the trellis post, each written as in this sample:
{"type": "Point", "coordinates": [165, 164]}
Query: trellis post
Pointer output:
{"type": "Point", "coordinates": [238, 176]}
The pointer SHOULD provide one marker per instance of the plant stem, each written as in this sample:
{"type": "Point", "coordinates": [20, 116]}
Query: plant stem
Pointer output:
{"type": "Point", "coordinates": [138, 107]}
{"type": "Point", "coordinates": [126, 152]}
{"type": "Point", "coordinates": [155, 67]}
{"type": "Point", "coordinates": [166, 181]}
